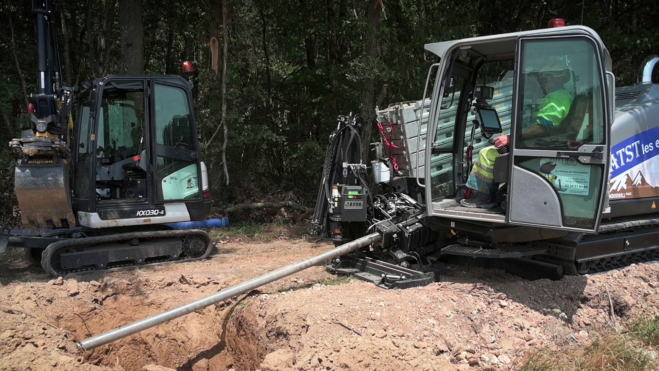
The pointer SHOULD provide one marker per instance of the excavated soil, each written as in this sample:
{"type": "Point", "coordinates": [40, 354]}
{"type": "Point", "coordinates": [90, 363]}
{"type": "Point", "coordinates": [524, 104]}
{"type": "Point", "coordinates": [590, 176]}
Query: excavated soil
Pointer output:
{"type": "Point", "coordinates": [480, 319]}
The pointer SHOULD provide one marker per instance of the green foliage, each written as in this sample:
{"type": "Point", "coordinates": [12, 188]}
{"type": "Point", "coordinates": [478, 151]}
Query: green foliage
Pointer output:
{"type": "Point", "coordinates": [646, 331]}
{"type": "Point", "coordinates": [293, 66]}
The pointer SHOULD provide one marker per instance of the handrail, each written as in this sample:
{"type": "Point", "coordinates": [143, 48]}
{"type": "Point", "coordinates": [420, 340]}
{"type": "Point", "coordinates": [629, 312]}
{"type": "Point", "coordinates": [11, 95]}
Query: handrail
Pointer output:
{"type": "Point", "coordinates": [418, 137]}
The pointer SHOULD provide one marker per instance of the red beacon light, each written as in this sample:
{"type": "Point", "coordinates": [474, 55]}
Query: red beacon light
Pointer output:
{"type": "Point", "coordinates": [557, 22]}
{"type": "Point", "coordinates": [187, 67]}
{"type": "Point", "coordinates": [30, 108]}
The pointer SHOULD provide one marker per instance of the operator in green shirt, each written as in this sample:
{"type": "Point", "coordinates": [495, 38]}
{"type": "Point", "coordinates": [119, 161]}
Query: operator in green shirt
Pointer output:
{"type": "Point", "coordinates": [552, 111]}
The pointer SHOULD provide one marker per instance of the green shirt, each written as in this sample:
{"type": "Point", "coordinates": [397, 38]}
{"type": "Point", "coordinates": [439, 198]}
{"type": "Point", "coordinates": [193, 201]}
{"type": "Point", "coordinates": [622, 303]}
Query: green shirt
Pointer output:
{"type": "Point", "coordinates": [554, 108]}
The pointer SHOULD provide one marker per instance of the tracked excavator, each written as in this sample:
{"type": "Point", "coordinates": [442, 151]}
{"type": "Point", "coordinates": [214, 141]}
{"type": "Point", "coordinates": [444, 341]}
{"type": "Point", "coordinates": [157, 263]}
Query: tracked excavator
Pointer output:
{"type": "Point", "coordinates": [103, 190]}
{"type": "Point", "coordinates": [582, 198]}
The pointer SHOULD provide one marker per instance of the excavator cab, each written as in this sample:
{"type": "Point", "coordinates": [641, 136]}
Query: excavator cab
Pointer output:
{"type": "Point", "coordinates": [136, 158]}
{"type": "Point", "coordinates": [554, 172]}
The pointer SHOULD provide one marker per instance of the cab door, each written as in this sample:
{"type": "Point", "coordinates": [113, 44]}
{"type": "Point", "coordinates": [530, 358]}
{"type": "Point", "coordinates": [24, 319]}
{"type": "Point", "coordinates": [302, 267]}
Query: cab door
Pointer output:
{"type": "Point", "coordinates": [177, 160]}
{"type": "Point", "coordinates": [560, 141]}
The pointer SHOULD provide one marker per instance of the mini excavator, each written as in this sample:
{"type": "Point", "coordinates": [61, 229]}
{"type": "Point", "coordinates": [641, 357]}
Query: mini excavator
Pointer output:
{"type": "Point", "coordinates": [101, 192]}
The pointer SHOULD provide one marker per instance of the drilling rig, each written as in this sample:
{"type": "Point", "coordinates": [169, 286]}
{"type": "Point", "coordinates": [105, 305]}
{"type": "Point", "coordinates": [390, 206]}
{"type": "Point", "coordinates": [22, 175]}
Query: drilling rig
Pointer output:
{"type": "Point", "coordinates": [102, 190]}
{"type": "Point", "coordinates": [579, 198]}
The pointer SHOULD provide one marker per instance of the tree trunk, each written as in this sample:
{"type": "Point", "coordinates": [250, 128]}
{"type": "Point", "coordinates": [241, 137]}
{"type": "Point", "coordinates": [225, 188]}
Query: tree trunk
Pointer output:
{"type": "Point", "coordinates": [309, 47]}
{"type": "Point", "coordinates": [215, 54]}
{"type": "Point", "coordinates": [225, 59]}
{"type": "Point", "coordinates": [132, 37]}
{"type": "Point", "coordinates": [169, 66]}
{"type": "Point", "coordinates": [332, 57]}
{"type": "Point", "coordinates": [368, 91]}
{"type": "Point", "coordinates": [264, 41]}
{"type": "Point", "coordinates": [18, 64]}
{"type": "Point", "coordinates": [10, 128]}
{"type": "Point", "coordinates": [67, 49]}
{"type": "Point", "coordinates": [90, 38]}
{"type": "Point", "coordinates": [107, 24]}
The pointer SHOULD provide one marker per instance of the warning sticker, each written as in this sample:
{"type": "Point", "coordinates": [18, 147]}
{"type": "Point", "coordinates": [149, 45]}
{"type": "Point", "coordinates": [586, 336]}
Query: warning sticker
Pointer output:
{"type": "Point", "coordinates": [568, 176]}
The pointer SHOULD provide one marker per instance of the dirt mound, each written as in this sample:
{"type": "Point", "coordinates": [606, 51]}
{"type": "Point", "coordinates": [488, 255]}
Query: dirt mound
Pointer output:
{"type": "Point", "coordinates": [477, 318]}
{"type": "Point", "coordinates": [474, 319]}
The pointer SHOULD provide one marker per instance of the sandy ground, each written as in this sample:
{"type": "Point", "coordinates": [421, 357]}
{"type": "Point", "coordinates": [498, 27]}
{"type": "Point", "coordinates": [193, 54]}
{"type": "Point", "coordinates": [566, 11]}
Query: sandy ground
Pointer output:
{"type": "Point", "coordinates": [480, 319]}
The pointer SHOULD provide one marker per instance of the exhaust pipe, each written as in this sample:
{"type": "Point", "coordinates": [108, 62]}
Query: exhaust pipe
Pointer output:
{"type": "Point", "coordinates": [645, 73]}
{"type": "Point", "coordinates": [135, 327]}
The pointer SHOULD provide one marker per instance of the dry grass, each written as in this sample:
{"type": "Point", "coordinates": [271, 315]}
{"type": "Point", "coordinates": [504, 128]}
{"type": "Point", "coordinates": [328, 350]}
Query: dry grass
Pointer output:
{"type": "Point", "coordinates": [632, 351]}
{"type": "Point", "coordinates": [12, 255]}
{"type": "Point", "coordinates": [540, 361]}
{"type": "Point", "coordinates": [618, 352]}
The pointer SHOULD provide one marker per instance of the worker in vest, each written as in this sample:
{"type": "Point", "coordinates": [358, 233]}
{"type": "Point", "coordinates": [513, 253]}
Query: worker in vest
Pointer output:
{"type": "Point", "coordinates": [552, 111]}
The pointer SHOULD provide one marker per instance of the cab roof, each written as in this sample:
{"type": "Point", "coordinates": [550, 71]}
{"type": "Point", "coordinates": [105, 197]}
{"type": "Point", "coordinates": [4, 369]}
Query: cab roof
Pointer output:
{"type": "Point", "coordinates": [492, 45]}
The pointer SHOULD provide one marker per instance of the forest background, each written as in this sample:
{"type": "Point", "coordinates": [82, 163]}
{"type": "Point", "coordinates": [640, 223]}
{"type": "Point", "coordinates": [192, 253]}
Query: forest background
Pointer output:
{"type": "Point", "coordinates": [286, 68]}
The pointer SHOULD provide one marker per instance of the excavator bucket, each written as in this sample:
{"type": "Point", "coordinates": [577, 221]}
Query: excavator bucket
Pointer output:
{"type": "Point", "coordinates": [41, 187]}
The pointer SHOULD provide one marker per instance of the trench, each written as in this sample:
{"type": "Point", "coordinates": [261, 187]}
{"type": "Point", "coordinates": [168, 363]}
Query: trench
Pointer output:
{"type": "Point", "coordinates": [220, 337]}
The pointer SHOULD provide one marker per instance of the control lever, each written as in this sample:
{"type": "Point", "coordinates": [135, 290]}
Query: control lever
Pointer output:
{"type": "Point", "coordinates": [503, 150]}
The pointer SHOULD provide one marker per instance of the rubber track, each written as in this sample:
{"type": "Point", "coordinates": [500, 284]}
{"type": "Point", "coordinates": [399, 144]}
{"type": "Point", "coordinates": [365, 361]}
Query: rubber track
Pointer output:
{"type": "Point", "coordinates": [628, 224]}
{"type": "Point", "coordinates": [623, 260]}
{"type": "Point", "coordinates": [47, 255]}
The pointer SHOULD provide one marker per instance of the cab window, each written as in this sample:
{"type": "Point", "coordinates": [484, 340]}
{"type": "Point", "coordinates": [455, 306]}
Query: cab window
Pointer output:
{"type": "Point", "coordinates": [561, 105]}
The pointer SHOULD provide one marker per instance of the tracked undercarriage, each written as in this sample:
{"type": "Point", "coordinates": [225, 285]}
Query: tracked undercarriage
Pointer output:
{"type": "Point", "coordinates": [85, 250]}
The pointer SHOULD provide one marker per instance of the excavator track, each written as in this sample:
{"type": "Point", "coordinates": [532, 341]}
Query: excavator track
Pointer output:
{"type": "Point", "coordinates": [620, 261]}
{"type": "Point", "coordinates": [100, 253]}
{"type": "Point", "coordinates": [623, 258]}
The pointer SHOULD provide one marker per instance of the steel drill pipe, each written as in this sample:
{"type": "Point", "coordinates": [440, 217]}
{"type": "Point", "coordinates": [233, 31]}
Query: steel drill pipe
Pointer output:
{"type": "Point", "coordinates": [135, 327]}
